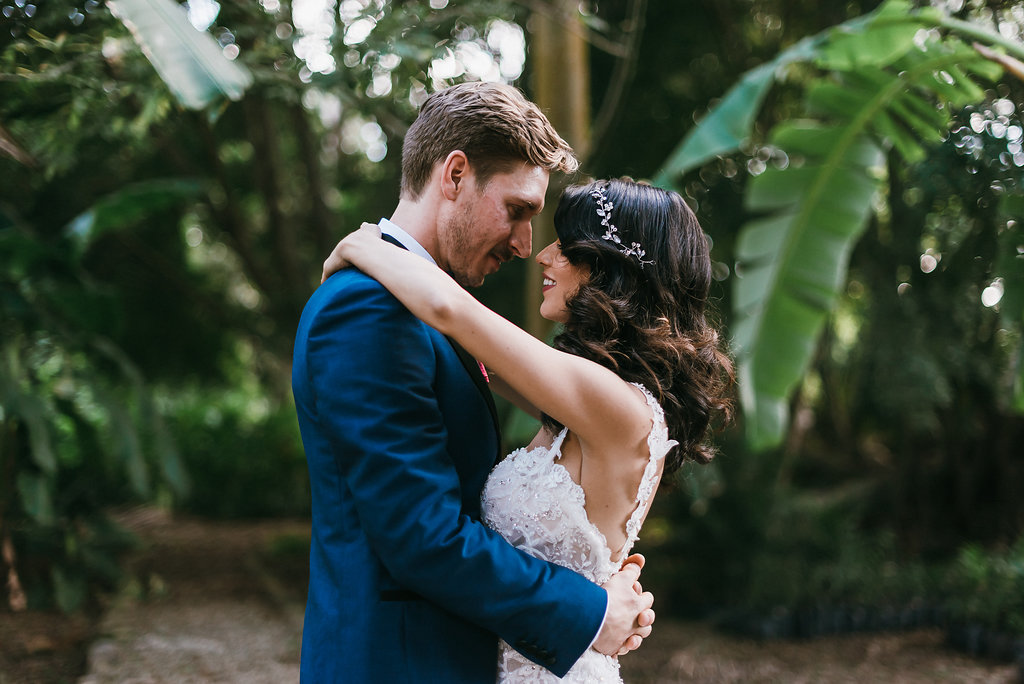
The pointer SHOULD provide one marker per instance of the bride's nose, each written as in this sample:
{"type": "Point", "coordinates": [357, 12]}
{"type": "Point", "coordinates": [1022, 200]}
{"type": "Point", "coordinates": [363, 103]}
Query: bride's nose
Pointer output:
{"type": "Point", "coordinates": [544, 256]}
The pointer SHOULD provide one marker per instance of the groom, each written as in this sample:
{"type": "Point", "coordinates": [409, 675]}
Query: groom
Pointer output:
{"type": "Point", "coordinates": [400, 433]}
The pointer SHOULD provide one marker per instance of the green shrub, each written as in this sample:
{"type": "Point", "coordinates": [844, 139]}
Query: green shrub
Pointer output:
{"type": "Point", "coordinates": [243, 454]}
{"type": "Point", "coordinates": [987, 587]}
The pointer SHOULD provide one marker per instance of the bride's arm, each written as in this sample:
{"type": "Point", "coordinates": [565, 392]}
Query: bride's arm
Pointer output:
{"type": "Point", "coordinates": [585, 397]}
{"type": "Point", "coordinates": [500, 387]}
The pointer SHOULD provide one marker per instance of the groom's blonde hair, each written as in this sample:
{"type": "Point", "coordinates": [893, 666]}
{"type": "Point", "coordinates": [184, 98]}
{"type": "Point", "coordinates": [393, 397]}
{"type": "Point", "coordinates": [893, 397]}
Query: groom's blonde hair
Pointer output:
{"type": "Point", "coordinates": [492, 123]}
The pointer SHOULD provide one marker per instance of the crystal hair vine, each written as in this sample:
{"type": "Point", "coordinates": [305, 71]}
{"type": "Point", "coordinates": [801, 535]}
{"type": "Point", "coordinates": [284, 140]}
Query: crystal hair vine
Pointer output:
{"type": "Point", "coordinates": [611, 233]}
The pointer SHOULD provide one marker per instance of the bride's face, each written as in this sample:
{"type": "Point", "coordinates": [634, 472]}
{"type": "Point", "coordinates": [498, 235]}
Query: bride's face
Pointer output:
{"type": "Point", "coordinates": [561, 281]}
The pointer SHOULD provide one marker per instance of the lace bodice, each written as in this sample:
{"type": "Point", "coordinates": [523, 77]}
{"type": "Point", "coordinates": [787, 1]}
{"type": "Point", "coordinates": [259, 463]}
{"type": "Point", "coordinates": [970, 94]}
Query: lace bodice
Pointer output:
{"type": "Point", "coordinates": [530, 500]}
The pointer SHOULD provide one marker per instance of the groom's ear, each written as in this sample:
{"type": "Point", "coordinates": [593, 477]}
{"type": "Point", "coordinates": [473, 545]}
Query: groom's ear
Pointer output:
{"type": "Point", "coordinates": [454, 171]}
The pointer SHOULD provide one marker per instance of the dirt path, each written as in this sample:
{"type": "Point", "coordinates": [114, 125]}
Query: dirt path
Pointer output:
{"type": "Point", "coordinates": [222, 602]}
{"type": "Point", "coordinates": [694, 652]}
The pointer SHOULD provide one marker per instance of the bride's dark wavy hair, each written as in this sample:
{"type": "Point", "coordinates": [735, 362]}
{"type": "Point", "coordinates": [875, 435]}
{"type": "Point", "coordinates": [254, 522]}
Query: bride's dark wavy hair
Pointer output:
{"type": "Point", "coordinates": [647, 322]}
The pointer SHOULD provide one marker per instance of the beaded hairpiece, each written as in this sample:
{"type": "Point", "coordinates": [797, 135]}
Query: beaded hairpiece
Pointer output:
{"type": "Point", "coordinates": [611, 233]}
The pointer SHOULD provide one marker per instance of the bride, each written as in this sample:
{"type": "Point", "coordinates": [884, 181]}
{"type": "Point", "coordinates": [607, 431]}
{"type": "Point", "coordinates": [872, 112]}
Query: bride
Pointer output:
{"type": "Point", "coordinates": [626, 395]}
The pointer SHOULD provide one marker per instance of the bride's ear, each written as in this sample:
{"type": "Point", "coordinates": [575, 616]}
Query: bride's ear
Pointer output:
{"type": "Point", "coordinates": [454, 171]}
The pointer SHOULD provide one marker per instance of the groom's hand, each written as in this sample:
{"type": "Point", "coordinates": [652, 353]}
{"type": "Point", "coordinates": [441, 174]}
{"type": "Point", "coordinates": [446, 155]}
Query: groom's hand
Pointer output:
{"type": "Point", "coordinates": [630, 616]}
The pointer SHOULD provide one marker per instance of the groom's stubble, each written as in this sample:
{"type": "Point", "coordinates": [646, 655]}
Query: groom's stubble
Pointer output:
{"type": "Point", "coordinates": [465, 253]}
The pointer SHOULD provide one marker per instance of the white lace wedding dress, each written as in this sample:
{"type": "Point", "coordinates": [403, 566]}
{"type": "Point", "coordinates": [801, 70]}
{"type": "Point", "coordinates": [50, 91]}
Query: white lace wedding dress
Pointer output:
{"type": "Point", "coordinates": [530, 500]}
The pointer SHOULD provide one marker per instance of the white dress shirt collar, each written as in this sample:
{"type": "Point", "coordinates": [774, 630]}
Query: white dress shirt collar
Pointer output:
{"type": "Point", "coordinates": [408, 241]}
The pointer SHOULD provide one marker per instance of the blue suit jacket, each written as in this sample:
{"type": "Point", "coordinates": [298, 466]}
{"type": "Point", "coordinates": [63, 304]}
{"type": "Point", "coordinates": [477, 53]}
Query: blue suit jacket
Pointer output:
{"type": "Point", "coordinates": [406, 584]}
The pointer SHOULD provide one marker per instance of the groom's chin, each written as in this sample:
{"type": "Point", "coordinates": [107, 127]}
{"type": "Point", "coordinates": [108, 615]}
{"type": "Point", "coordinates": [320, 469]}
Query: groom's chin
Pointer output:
{"type": "Point", "coordinates": [471, 279]}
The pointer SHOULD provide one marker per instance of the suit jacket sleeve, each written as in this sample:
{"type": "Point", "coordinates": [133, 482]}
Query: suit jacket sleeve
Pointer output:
{"type": "Point", "coordinates": [372, 364]}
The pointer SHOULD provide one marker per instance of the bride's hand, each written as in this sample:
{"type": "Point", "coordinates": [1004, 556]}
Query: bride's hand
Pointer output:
{"type": "Point", "coordinates": [338, 259]}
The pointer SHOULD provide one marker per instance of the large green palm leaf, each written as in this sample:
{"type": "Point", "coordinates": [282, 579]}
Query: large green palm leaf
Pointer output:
{"type": "Point", "coordinates": [881, 88]}
{"type": "Point", "coordinates": [793, 259]}
{"type": "Point", "coordinates": [1010, 267]}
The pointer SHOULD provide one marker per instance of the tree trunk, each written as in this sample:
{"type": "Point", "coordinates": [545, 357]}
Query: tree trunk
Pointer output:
{"type": "Point", "coordinates": [561, 88]}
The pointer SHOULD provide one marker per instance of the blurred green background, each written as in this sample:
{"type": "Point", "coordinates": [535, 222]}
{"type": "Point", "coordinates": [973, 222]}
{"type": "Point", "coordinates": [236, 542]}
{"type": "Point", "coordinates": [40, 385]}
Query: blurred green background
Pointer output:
{"type": "Point", "coordinates": [166, 203]}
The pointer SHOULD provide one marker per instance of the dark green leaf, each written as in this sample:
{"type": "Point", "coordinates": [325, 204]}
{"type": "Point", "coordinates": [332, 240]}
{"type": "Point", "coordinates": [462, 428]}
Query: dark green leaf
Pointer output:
{"type": "Point", "coordinates": [888, 35]}
{"type": "Point", "coordinates": [127, 206]}
{"type": "Point", "coordinates": [902, 140]}
{"type": "Point", "coordinates": [728, 124]}
{"type": "Point", "coordinates": [69, 587]}
{"type": "Point", "coordinates": [29, 408]}
{"type": "Point", "coordinates": [34, 491]}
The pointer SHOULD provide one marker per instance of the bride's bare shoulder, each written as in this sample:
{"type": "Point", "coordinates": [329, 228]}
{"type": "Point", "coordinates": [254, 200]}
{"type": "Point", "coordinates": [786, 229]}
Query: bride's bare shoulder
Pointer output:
{"type": "Point", "coordinates": [632, 415]}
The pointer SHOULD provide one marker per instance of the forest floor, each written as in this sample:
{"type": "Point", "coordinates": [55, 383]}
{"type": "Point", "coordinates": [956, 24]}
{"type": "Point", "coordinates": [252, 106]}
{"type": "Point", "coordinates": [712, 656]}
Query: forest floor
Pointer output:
{"type": "Point", "coordinates": [223, 602]}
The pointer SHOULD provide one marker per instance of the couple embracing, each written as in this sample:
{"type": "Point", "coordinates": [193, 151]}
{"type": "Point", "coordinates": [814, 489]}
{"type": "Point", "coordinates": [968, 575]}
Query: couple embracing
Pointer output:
{"type": "Point", "coordinates": [432, 558]}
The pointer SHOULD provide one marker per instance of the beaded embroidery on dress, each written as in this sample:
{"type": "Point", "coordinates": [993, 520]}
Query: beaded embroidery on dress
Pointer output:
{"type": "Point", "coordinates": [532, 502]}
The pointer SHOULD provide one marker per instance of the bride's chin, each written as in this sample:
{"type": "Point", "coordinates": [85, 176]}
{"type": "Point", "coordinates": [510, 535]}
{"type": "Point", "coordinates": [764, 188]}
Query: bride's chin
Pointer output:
{"type": "Point", "coordinates": [561, 317]}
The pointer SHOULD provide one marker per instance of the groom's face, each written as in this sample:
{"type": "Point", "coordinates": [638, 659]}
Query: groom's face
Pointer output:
{"type": "Point", "coordinates": [491, 224]}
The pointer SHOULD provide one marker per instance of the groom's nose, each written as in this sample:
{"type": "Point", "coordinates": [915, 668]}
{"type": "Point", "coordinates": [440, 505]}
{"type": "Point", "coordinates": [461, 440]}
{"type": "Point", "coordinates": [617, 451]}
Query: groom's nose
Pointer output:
{"type": "Point", "coordinates": [521, 239]}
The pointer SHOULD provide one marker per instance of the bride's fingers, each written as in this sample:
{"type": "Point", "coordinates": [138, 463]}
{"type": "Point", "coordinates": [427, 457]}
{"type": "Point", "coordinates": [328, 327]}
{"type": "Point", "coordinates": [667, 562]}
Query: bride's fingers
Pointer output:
{"type": "Point", "coordinates": [331, 264]}
{"type": "Point", "coordinates": [645, 618]}
{"type": "Point", "coordinates": [335, 262]}
{"type": "Point", "coordinates": [635, 558]}
{"type": "Point", "coordinates": [637, 588]}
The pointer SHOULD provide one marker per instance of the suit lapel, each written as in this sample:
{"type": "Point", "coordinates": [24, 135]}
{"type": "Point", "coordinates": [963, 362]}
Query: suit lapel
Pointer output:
{"type": "Point", "coordinates": [472, 367]}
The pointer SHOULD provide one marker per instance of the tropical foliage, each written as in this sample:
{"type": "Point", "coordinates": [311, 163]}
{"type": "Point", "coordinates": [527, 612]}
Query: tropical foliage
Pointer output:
{"type": "Point", "coordinates": [887, 81]}
{"type": "Point", "coordinates": [169, 194]}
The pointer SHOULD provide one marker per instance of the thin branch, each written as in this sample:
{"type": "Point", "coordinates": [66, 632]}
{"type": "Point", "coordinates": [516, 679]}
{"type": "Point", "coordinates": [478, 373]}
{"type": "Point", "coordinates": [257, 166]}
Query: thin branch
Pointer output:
{"type": "Point", "coordinates": [594, 38]}
{"type": "Point", "coordinates": [622, 76]}
{"type": "Point", "coordinates": [1011, 64]}
{"type": "Point", "coordinates": [977, 32]}
{"type": "Point", "coordinates": [229, 216]}
{"type": "Point", "coordinates": [49, 74]}
{"type": "Point", "coordinates": [10, 147]}
{"type": "Point", "coordinates": [15, 594]}
{"type": "Point", "coordinates": [265, 141]}
{"type": "Point", "coordinates": [320, 216]}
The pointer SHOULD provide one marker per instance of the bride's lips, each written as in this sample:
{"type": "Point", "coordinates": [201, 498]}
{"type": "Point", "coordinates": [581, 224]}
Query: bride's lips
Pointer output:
{"type": "Point", "coordinates": [548, 283]}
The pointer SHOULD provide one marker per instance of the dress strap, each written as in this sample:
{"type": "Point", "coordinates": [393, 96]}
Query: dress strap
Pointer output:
{"type": "Point", "coordinates": [658, 444]}
{"type": "Point", "coordinates": [556, 446]}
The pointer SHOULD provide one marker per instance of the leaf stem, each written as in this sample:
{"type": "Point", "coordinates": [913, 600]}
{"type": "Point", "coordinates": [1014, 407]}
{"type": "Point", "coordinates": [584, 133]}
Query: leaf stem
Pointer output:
{"type": "Point", "coordinates": [977, 32]}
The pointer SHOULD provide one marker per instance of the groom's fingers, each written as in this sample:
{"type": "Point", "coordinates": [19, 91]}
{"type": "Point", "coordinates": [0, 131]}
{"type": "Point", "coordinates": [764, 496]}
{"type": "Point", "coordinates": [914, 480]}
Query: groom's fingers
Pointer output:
{"type": "Point", "coordinates": [632, 643]}
{"type": "Point", "coordinates": [645, 631]}
{"type": "Point", "coordinates": [627, 605]}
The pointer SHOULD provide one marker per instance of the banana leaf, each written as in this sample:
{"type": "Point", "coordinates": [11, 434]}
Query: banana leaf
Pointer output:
{"type": "Point", "coordinates": [791, 264]}
{"type": "Point", "coordinates": [886, 87]}
{"type": "Point", "coordinates": [1010, 266]}
{"type": "Point", "coordinates": [872, 40]}
{"type": "Point", "coordinates": [887, 35]}
{"type": "Point", "coordinates": [189, 61]}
